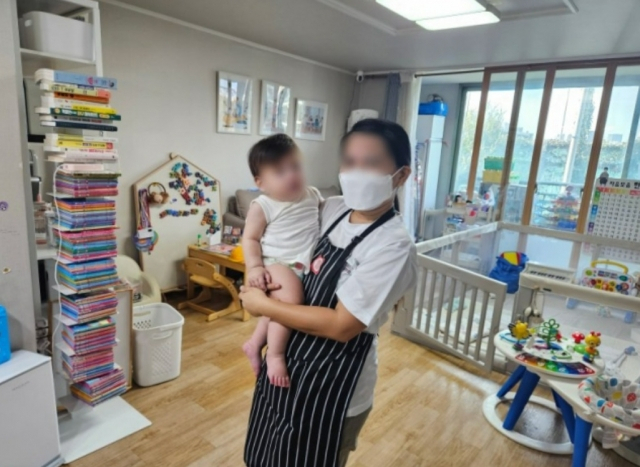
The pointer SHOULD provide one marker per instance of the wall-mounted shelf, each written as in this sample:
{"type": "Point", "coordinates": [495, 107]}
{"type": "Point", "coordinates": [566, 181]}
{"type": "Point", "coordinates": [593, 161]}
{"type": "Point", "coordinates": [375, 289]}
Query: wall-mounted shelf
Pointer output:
{"type": "Point", "coordinates": [33, 59]}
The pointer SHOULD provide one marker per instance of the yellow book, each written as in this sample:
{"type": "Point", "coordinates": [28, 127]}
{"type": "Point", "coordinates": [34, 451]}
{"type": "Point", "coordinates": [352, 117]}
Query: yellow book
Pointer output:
{"type": "Point", "coordinates": [83, 144]}
{"type": "Point", "coordinates": [52, 102]}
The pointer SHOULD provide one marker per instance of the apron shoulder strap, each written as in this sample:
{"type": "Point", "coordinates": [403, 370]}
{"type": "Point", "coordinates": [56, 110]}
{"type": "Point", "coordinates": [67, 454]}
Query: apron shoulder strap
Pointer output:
{"type": "Point", "coordinates": [387, 216]}
{"type": "Point", "coordinates": [337, 221]}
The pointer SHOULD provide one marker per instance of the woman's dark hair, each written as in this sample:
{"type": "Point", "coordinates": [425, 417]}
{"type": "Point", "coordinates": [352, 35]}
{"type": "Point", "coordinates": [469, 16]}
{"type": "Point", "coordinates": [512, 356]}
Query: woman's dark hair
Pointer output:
{"type": "Point", "coordinates": [394, 137]}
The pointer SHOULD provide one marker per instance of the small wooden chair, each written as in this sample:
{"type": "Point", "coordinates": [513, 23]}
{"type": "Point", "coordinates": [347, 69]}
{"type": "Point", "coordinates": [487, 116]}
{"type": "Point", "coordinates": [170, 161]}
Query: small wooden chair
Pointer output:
{"type": "Point", "coordinates": [207, 276]}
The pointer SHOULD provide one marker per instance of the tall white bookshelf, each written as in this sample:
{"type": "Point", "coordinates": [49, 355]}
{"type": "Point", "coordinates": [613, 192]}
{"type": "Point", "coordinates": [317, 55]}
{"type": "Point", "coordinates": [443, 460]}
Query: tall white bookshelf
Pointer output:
{"type": "Point", "coordinates": [83, 428]}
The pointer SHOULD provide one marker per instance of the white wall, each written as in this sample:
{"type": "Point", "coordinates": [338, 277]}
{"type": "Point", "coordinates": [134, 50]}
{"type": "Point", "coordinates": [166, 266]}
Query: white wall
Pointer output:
{"type": "Point", "coordinates": [167, 97]}
{"type": "Point", "coordinates": [370, 94]}
{"type": "Point", "coordinates": [452, 95]}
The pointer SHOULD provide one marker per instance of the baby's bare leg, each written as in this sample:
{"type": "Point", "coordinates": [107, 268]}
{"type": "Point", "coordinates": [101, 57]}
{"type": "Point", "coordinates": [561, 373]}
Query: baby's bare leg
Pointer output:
{"type": "Point", "coordinates": [278, 335]}
{"type": "Point", "coordinates": [253, 347]}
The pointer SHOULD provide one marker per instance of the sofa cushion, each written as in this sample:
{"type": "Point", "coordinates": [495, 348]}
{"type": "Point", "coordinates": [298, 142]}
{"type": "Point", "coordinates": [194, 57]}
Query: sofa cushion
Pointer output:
{"type": "Point", "coordinates": [243, 201]}
{"type": "Point", "coordinates": [328, 192]}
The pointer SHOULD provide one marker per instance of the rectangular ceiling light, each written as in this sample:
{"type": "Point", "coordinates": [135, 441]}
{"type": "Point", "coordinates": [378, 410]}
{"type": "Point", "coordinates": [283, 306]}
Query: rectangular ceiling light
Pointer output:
{"type": "Point", "coordinates": [425, 9]}
{"type": "Point", "coordinates": [459, 21]}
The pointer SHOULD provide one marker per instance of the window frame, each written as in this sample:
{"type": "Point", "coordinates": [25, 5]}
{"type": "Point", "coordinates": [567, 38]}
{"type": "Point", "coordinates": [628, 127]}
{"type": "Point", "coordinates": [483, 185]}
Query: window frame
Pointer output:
{"type": "Point", "coordinates": [610, 67]}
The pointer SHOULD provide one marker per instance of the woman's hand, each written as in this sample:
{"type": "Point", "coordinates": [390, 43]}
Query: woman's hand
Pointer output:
{"type": "Point", "coordinates": [254, 300]}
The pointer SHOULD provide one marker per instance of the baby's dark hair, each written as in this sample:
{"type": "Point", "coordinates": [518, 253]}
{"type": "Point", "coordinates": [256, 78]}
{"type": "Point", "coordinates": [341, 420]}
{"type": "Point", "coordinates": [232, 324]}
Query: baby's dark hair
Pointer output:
{"type": "Point", "coordinates": [270, 150]}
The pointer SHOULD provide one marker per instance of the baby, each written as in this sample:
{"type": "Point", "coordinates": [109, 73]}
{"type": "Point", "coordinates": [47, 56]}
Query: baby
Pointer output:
{"type": "Point", "coordinates": [280, 234]}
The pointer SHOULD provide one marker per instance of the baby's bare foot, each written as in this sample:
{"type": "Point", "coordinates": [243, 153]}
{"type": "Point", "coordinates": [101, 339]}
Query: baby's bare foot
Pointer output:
{"type": "Point", "coordinates": [277, 370]}
{"type": "Point", "coordinates": [254, 354]}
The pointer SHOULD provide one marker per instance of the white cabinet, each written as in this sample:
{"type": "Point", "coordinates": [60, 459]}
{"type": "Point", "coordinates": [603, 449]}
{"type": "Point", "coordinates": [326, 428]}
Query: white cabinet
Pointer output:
{"type": "Point", "coordinates": [28, 420]}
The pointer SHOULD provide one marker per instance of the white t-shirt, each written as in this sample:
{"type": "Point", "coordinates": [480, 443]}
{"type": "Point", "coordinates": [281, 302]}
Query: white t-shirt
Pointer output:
{"type": "Point", "coordinates": [293, 227]}
{"type": "Point", "coordinates": [378, 273]}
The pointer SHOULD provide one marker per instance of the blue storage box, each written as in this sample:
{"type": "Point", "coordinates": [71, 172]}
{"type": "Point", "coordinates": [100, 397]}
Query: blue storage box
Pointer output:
{"type": "Point", "coordinates": [5, 346]}
{"type": "Point", "coordinates": [435, 107]}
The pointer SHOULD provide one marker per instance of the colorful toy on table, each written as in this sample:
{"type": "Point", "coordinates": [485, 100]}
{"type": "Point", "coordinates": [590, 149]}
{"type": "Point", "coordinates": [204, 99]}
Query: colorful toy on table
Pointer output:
{"type": "Point", "coordinates": [570, 369]}
{"type": "Point", "coordinates": [578, 337]}
{"type": "Point", "coordinates": [550, 331]}
{"type": "Point", "coordinates": [520, 331]}
{"type": "Point", "coordinates": [607, 280]}
{"type": "Point", "coordinates": [592, 342]}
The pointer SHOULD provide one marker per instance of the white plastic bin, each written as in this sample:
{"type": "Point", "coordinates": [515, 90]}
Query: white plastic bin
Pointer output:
{"type": "Point", "coordinates": [157, 329]}
{"type": "Point", "coordinates": [55, 34]}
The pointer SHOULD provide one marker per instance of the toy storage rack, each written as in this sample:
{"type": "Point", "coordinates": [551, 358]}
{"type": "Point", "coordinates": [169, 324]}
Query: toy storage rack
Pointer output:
{"type": "Point", "coordinates": [459, 311]}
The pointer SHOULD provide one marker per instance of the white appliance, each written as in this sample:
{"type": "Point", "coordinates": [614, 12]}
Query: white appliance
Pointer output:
{"type": "Point", "coordinates": [428, 154]}
{"type": "Point", "coordinates": [360, 114]}
{"type": "Point", "coordinates": [28, 419]}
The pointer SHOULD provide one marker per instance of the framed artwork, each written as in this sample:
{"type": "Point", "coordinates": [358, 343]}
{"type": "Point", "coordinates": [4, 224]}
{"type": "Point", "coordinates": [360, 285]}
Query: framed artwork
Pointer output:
{"type": "Point", "coordinates": [311, 118]}
{"type": "Point", "coordinates": [274, 108]}
{"type": "Point", "coordinates": [234, 103]}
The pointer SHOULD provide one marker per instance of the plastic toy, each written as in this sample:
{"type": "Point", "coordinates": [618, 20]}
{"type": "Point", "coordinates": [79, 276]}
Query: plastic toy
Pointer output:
{"type": "Point", "coordinates": [508, 267]}
{"type": "Point", "coordinates": [237, 254]}
{"type": "Point", "coordinates": [608, 280]}
{"type": "Point", "coordinates": [578, 337]}
{"type": "Point", "coordinates": [592, 342]}
{"type": "Point", "coordinates": [521, 332]}
{"type": "Point", "coordinates": [210, 219]}
{"type": "Point", "coordinates": [549, 331]}
{"type": "Point", "coordinates": [178, 213]}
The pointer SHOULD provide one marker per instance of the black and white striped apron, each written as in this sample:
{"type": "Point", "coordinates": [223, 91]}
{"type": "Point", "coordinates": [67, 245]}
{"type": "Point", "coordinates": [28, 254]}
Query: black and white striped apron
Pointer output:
{"type": "Point", "coordinates": [301, 426]}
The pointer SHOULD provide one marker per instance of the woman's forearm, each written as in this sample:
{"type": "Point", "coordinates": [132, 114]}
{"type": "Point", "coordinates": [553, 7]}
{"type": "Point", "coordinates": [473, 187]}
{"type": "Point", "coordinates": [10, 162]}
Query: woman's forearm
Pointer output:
{"type": "Point", "coordinates": [338, 324]}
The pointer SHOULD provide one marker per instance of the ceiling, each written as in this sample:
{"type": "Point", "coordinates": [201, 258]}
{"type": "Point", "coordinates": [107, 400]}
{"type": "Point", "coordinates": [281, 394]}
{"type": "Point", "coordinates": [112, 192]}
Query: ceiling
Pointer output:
{"type": "Point", "coordinates": [362, 35]}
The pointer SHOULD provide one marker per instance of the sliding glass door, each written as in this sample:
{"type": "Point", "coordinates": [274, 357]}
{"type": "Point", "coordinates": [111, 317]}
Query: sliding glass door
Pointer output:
{"type": "Point", "coordinates": [533, 140]}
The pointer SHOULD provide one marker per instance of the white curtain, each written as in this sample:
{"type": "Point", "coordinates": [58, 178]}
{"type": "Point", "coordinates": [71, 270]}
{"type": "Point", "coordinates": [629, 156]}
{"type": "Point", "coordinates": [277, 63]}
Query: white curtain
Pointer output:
{"type": "Point", "coordinates": [408, 118]}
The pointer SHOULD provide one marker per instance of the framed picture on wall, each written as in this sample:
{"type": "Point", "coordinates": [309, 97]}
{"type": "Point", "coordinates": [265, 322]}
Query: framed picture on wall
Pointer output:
{"type": "Point", "coordinates": [234, 103]}
{"type": "Point", "coordinates": [311, 118]}
{"type": "Point", "coordinates": [274, 108]}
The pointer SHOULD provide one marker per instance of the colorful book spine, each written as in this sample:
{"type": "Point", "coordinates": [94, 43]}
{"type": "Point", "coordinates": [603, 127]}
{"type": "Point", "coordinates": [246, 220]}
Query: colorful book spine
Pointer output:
{"type": "Point", "coordinates": [75, 89]}
{"type": "Point", "coordinates": [45, 74]}
{"type": "Point", "coordinates": [73, 104]}
{"type": "Point", "coordinates": [65, 118]}
{"type": "Point", "coordinates": [77, 113]}
{"type": "Point", "coordinates": [86, 138]}
{"type": "Point", "coordinates": [84, 145]}
{"type": "Point", "coordinates": [80, 126]}
{"type": "Point", "coordinates": [77, 97]}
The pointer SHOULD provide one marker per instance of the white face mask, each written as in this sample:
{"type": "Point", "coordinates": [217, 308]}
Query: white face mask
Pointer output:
{"type": "Point", "coordinates": [364, 190]}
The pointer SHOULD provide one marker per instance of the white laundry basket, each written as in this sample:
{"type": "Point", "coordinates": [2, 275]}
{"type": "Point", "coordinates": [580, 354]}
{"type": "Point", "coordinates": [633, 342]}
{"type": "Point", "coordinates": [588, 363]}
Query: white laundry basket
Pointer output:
{"type": "Point", "coordinates": [158, 343]}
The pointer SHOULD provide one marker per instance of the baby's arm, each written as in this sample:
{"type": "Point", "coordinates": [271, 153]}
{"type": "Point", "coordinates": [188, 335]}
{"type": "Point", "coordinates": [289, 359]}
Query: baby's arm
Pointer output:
{"type": "Point", "coordinates": [255, 224]}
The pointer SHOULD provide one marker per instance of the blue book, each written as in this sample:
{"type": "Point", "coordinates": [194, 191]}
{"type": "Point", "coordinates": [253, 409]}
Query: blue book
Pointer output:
{"type": "Point", "coordinates": [75, 78]}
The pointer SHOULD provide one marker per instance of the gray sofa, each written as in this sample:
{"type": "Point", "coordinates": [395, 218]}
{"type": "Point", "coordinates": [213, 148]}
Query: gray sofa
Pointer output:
{"type": "Point", "coordinates": [238, 205]}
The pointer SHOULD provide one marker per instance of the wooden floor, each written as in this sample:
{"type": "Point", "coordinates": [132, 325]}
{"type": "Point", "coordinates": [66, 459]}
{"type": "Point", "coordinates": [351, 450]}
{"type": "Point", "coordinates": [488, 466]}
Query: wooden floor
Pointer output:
{"type": "Point", "coordinates": [427, 411]}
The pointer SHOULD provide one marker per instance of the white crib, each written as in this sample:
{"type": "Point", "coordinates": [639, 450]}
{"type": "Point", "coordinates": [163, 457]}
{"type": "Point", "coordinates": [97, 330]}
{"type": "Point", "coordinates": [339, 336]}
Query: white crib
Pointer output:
{"type": "Point", "coordinates": [457, 309]}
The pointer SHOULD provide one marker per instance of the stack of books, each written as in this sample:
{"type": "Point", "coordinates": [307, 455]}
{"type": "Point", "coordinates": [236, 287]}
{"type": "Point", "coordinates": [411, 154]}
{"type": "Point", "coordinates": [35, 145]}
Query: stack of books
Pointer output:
{"type": "Point", "coordinates": [82, 367]}
{"type": "Point", "coordinates": [85, 213]}
{"type": "Point", "coordinates": [88, 276]}
{"type": "Point", "coordinates": [81, 147]}
{"type": "Point", "coordinates": [86, 185]}
{"type": "Point", "coordinates": [88, 245]}
{"type": "Point", "coordinates": [76, 107]}
{"type": "Point", "coordinates": [96, 390]}
{"type": "Point", "coordinates": [90, 337]}
{"type": "Point", "coordinates": [72, 100]}
{"type": "Point", "coordinates": [78, 309]}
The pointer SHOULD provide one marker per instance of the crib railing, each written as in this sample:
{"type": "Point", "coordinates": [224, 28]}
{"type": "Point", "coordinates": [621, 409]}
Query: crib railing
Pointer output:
{"type": "Point", "coordinates": [453, 310]}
